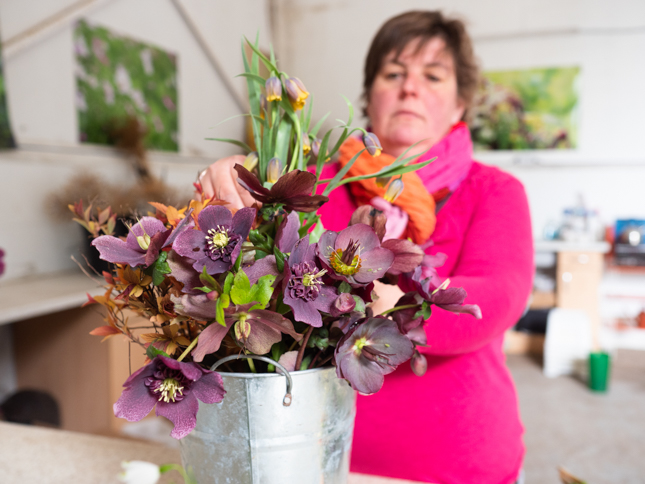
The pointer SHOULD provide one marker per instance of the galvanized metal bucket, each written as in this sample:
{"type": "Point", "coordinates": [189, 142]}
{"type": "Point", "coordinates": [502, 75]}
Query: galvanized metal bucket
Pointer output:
{"type": "Point", "coordinates": [255, 437]}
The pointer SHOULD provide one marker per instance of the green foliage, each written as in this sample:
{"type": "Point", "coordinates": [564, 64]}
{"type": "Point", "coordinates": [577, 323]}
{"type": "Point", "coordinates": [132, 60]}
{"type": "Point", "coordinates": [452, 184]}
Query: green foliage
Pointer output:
{"type": "Point", "coordinates": [117, 78]}
{"type": "Point", "coordinates": [159, 269]}
{"type": "Point", "coordinates": [243, 293]}
{"type": "Point", "coordinates": [152, 352]}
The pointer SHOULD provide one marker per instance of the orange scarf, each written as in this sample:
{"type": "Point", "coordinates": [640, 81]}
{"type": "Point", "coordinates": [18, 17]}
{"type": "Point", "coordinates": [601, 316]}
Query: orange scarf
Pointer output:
{"type": "Point", "coordinates": [414, 200]}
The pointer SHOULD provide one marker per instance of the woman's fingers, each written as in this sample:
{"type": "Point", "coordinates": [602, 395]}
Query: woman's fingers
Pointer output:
{"type": "Point", "coordinates": [218, 180]}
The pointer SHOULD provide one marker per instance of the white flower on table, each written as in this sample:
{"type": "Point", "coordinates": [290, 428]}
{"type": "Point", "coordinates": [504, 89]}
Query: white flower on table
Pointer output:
{"type": "Point", "coordinates": [139, 472]}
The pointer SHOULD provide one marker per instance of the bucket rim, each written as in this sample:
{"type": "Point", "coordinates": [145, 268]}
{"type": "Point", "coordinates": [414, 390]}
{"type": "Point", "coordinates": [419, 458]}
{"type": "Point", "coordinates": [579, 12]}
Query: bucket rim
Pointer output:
{"type": "Point", "coordinates": [273, 375]}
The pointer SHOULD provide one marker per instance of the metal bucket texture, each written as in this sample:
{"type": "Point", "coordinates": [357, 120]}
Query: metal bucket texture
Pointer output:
{"type": "Point", "coordinates": [251, 437]}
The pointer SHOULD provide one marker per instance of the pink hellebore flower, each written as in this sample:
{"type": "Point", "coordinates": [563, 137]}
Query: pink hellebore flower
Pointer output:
{"type": "Point", "coordinates": [174, 387]}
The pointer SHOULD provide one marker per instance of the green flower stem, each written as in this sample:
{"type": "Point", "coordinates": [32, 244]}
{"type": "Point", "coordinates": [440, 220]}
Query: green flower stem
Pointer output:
{"type": "Point", "coordinates": [251, 365]}
{"type": "Point", "coordinates": [188, 350]}
{"type": "Point", "coordinates": [399, 308]}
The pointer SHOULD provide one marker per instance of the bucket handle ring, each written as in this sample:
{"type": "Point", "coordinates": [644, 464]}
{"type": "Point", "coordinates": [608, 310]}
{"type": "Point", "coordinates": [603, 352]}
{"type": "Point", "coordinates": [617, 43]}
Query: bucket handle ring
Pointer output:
{"type": "Point", "coordinates": [286, 401]}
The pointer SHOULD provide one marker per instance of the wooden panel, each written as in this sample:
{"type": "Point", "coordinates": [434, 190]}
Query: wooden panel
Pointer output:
{"type": "Point", "coordinates": [56, 354]}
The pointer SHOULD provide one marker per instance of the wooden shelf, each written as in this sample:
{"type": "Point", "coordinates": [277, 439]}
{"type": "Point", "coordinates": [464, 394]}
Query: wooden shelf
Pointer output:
{"type": "Point", "coordinates": [32, 296]}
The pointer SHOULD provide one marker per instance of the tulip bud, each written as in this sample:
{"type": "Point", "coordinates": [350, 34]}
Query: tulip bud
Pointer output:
{"type": "Point", "coordinates": [372, 143]}
{"type": "Point", "coordinates": [315, 147]}
{"type": "Point", "coordinates": [306, 144]}
{"type": "Point", "coordinates": [251, 161]}
{"type": "Point", "coordinates": [274, 170]}
{"type": "Point", "coordinates": [296, 91]}
{"type": "Point", "coordinates": [419, 364]}
{"type": "Point", "coordinates": [393, 190]}
{"type": "Point", "coordinates": [273, 88]}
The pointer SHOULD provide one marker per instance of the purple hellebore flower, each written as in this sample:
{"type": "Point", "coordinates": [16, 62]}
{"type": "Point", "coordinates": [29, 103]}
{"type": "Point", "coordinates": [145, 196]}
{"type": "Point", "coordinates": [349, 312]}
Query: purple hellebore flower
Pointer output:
{"type": "Point", "coordinates": [303, 290]}
{"type": "Point", "coordinates": [181, 268]}
{"type": "Point", "coordinates": [354, 255]}
{"type": "Point", "coordinates": [343, 304]}
{"type": "Point", "coordinates": [369, 351]}
{"type": "Point", "coordinates": [144, 242]}
{"type": "Point", "coordinates": [174, 387]}
{"type": "Point", "coordinates": [286, 237]}
{"type": "Point", "coordinates": [218, 241]}
{"type": "Point", "coordinates": [448, 298]}
{"type": "Point", "coordinates": [407, 255]}
{"type": "Point", "coordinates": [256, 330]}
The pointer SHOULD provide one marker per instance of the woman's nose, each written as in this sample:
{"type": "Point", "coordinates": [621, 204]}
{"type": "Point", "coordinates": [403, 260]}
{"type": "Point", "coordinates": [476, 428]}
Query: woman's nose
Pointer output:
{"type": "Point", "coordinates": [410, 86]}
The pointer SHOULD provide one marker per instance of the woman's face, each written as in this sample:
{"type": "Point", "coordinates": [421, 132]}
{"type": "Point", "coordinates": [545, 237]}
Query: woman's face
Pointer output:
{"type": "Point", "coordinates": [414, 97]}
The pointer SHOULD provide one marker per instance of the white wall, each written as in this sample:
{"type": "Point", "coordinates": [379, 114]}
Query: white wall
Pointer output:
{"type": "Point", "coordinates": [41, 89]}
{"type": "Point", "coordinates": [324, 43]}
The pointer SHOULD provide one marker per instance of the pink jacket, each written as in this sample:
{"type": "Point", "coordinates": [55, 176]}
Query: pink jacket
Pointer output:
{"type": "Point", "coordinates": [459, 423]}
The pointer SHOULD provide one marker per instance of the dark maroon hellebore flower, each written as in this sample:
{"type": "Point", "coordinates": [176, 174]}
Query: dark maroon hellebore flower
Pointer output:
{"type": "Point", "coordinates": [370, 351]}
{"type": "Point", "coordinates": [218, 241]}
{"type": "Point", "coordinates": [174, 387]}
{"type": "Point", "coordinates": [293, 190]}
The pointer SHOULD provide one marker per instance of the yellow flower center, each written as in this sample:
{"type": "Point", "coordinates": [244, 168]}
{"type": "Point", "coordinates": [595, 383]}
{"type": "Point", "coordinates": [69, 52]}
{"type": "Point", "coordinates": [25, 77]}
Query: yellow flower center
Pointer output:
{"type": "Point", "coordinates": [169, 389]}
{"type": "Point", "coordinates": [311, 279]}
{"type": "Point", "coordinates": [359, 344]}
{"type": "Point", "coordinates": [343, 266]}
{"type": "Point", "coordinates": [217, 238]}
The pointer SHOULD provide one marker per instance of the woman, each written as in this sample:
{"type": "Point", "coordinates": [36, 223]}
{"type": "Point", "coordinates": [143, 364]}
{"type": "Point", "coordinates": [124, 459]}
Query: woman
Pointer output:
{"type": "Point", "coordinates": [459, 423]}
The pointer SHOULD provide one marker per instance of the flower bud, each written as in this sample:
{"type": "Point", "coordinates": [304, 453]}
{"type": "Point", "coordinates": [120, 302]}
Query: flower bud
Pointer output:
{"type": "Point", "coordinates": [264, 105]}
{"type": "Point", "coordinates": [381, 181]}
{"type": "Point", "coordinates": [274, 170]}
{"type": "Point", "coordinates": [248, 252]}
{"type": "Point", "coordinates": [393, 190]}
{"type": "Point", "coordinates": [419, 364]}
{"type": "Point", "coordinates": [306, 144]}
{"type": "Point", "coordinates": [344, 303]}
{"type": "Point", "coordinates": [372, 143]}
{"type": "Point", "coordinates": [296, 91]}
{"type": "Point", "coordinates": [315, 147]}
{"type": "Point", "coordinates": [273, 88]}
{"type": "Point", "coordinates": [251, 161]}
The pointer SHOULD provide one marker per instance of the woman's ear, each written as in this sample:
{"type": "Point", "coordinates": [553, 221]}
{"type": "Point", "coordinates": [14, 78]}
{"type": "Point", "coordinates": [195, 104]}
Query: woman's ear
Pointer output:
{"type": "Point", "coordinates": [459, 112]}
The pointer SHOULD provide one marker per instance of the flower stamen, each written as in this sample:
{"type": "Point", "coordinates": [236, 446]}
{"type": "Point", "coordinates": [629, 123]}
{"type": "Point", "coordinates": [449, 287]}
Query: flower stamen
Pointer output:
{"type": "Point", "coordinates": [169, 389]}
{"type": "Point", "coordinates": [346, 262]}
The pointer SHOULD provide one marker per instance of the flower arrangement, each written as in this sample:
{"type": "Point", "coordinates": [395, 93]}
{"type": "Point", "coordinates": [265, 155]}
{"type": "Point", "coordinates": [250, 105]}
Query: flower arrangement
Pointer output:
{"type": "Point", "coordinates": [267, 279]}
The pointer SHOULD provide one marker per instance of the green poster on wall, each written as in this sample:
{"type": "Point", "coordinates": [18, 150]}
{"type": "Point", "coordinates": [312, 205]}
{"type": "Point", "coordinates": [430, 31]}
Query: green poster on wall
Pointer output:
{"type": "Point", "coordinates": [118, 78]}
{"type": "Point", "coordinates": [6, 137]}
{"type": "Point", "coordinates": [526, 109]}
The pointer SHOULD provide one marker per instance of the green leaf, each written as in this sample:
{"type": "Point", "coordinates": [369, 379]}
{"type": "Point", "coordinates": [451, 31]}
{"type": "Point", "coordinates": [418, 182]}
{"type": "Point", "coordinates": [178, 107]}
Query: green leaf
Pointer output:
{"type": "Point", "coordinates": [345, 288]}
{"type": "Point", "coordinates": [341, 173]}
{"type": "Point", "coordinates": [243, 293]}
{"type": "Point", "coordinates": [387, 172]}
{"type": "Point", "coordinates": [241, 288]}
{"type": "Point", "coordinates": [223, 302]}
{"type": "Point", "coordinates": [152, 352]}
{"type": "Point", "coordinates": [305, 362]}
{"type": "Point", "coordinates": [425, 311]}
{"type": "Point", "coordinates": [228, 283]}
{"type": "Point", "coordinates": [304, 229]}
{"type": "Point", "coordinates": [259, 79]}
{"type": "Point", "coordinates": [279, 259]}
{"type": "Point", "coordinates": [360, 304]}
{"type": "Point", "coordinates": [209, 281]}
{"type": "Point", "coordinates": [316, 233]}
{"type": "Point", "coordinates": [314, 131]}
{"type": "Point", "coordinates": [307, 120]}
{"type": "Point", "coordinates": [235, 142]}
{"type": "Point", "coordinates": [322, 155]}
{"type": "Point", "coordinates": [159, 269]}
{"type": "Point", "coordinates": [270, 65]}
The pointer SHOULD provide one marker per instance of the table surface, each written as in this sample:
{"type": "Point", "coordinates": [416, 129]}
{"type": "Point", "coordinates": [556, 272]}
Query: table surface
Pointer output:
{"type": "Point", "coordinates": [42, 456]}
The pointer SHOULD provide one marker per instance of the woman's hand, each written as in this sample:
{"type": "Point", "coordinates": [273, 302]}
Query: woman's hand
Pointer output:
{"type": "Point", "coordinates": [220, 179]}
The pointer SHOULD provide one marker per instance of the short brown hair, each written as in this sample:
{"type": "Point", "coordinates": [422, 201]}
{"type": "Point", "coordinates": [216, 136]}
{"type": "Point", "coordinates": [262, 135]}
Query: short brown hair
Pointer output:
{"type": "Point", "coordinates": [399, 31]}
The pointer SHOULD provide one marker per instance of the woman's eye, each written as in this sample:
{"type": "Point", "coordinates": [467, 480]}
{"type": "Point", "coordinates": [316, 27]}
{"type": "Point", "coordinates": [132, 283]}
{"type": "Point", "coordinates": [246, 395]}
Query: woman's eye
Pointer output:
{"type": "Point", "coordinates": [432, 78]}
{"type": "Point", "coordinates": [392, 75]}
